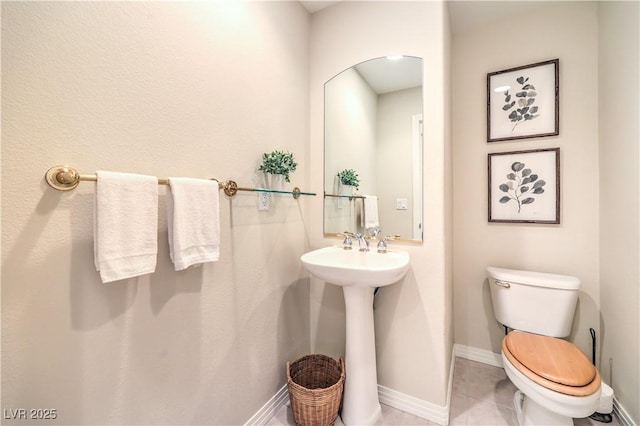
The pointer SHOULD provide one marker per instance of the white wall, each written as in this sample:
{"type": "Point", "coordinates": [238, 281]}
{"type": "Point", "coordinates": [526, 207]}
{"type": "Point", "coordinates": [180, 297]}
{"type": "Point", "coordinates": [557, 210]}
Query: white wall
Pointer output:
{"type": "Point", "coordinates": [413, 340]}
{"type": "Point", "coordinates": [618, 93]}
{"type": "Point", "coordinates": [564, 30]}
{"type": "Point", "coordinates": [167, 89]}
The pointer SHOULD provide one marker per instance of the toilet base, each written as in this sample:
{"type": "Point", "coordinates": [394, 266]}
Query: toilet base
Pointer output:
{"type": "Point", "coordinates": [530, 413]}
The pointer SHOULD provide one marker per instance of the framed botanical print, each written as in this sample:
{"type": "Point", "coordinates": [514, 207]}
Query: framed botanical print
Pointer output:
{"type": "Point", "coordinates": [524, 186]}
{"type": "Point", "coordinates": [523, 102]}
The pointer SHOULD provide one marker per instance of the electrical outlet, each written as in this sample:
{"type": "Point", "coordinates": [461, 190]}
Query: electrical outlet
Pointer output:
{"type": "Point", "coordinates": [263, 201]}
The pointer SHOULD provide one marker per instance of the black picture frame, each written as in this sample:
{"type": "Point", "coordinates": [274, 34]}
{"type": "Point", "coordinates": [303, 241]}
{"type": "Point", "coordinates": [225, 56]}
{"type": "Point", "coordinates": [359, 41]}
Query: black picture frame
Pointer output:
{"type": "Point", "coordinates": [524, 186]}
{"type": "Point", "coordinates": [523, 102]}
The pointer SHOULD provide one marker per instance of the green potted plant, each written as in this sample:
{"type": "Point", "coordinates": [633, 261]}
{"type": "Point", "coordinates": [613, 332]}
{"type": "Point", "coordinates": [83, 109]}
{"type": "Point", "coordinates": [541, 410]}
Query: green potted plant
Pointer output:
{"type": "Point", "coordinates": [278, 163]}
{"type": "Point", "coordinates": [349, 177]}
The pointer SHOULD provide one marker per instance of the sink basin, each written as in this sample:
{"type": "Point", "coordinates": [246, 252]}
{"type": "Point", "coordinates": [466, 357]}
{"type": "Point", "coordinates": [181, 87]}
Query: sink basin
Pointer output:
{"type": "Point", "coordinates": [355, 268]}
{"type": "Point", "coordinates": [357, 273]}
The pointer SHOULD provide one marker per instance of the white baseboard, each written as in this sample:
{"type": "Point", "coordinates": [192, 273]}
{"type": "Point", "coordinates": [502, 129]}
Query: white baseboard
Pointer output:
{"type": "Point", "coordinates": [270, 409]}
{"type": "Point", "coordinates": [395, 399]}
{"type": "Point", "coordinates": [450, 385]}
{"type": "Point", "coordinates": [415, 406]}
{"type": "Point", "coordinates": [623, 417]}
{"type": "Point", "coordinates": [479, 355]}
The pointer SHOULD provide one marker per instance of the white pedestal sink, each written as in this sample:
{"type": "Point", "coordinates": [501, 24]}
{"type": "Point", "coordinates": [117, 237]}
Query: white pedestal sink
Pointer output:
{"type": "Point", "coordinates": [358, 273]}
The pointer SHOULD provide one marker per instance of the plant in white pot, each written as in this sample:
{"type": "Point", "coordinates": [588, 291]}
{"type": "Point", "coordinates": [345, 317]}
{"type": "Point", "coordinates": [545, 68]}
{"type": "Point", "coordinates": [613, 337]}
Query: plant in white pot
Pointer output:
{"type": "Point", "coordinates": [349, 180]}
{"type": "Point", "coordinates": [278, 163]}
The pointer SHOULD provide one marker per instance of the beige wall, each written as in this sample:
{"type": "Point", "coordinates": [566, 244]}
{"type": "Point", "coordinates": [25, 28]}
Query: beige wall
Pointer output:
{"type": "Point", "coordinates": [413, 341]}
{"type": "Point", "coordinates": [183, 89]}
{"type": "Point", "coordinates": [599, 237]}
{"type": "Point", "coordinates": [564, 30]}
{"type": "Point", "coordinates": [350, 113]}
{"type": "Point", "coordinates": [395, 153]}
{"type": "Point", "coordinates": [618, 63]}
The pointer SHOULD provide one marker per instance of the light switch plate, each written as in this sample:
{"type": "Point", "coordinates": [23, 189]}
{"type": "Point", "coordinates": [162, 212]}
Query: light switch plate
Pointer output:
{"type": "Point", "coordinates": [401, 203]}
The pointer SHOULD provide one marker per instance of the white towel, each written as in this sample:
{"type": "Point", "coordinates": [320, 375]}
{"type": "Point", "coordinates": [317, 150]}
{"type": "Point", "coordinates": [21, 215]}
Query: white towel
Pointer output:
{"type": "Point", "coordinates": [193, 216]}
{"type": "Point", "coordinates": [125, 225]}
{"type": "Point", "coordinates": [371, 212]}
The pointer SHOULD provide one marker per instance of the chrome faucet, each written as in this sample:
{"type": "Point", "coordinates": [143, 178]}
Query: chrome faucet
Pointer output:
{"type": "Point", "coordinates": [364, 244]}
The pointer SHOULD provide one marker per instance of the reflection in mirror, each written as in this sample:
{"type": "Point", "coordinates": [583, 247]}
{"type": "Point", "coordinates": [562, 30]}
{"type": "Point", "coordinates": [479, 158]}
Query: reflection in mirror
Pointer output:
{"type": "Point", "coordinates": [373, 127]}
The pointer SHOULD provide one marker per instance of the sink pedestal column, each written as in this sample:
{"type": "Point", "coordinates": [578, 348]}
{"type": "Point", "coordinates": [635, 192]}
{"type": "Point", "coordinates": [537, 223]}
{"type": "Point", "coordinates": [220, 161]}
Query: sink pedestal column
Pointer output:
{"type": "Point", "coordinates": [361, 405]}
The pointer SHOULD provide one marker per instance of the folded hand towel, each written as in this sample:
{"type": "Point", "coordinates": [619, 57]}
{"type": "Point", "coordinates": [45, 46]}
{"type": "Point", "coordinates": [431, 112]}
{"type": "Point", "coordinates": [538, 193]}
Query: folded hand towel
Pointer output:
{"type": "Point", "coordinates": [358, 208]}
{"type": "Point", "coordinates": [193, 216]}
{"type": "Point", "coordinates": [125, 226]}
{"type": "Point", "coordinates": [371, 212]}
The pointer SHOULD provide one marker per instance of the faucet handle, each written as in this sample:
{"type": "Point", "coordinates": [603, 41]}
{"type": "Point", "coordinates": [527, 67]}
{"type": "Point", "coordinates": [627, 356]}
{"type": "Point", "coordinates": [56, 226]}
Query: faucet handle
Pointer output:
{"type": "Point", "coordinates": [347, 243]}
{"type": "Point", "coordinates": [382, 245]}
{"type": "Point", "coordinates": [375, 232]}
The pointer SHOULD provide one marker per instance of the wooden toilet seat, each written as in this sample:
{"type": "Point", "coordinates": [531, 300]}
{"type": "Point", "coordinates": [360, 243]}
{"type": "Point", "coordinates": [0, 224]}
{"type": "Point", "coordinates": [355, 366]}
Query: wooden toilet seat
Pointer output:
{"type": "Point", "coordinates": [551, 362]}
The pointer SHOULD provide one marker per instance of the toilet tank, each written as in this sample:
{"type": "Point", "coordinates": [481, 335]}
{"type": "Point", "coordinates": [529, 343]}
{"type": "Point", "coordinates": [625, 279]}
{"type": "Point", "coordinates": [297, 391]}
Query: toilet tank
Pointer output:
{"type": "Point", "coordinates": [533, 301]}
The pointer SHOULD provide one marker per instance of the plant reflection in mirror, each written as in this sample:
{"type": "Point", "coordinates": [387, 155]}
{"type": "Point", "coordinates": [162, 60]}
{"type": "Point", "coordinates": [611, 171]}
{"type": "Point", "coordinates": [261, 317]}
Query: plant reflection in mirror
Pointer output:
{"type": "Point", "coordinates": [522, 183]}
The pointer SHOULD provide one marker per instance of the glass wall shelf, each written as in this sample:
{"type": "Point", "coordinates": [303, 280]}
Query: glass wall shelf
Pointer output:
{"type": "Point", "coordinates": [342, 196]}
{"type": "Point", "coordinates": [296, 192]}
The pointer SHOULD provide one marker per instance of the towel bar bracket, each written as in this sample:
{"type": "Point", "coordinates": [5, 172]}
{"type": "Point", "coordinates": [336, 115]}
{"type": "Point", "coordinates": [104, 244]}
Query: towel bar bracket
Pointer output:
{"type": "Point", "coordinates": [62, 178]}
{"type": "Point", "coordinates": [231, 188]}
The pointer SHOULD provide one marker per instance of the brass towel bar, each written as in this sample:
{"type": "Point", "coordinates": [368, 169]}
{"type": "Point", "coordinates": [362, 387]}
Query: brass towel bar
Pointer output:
{"type": "Point", "coordinates": [65, 178]}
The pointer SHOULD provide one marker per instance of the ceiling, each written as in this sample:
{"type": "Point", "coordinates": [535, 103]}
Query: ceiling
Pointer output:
{"type": "Point", "coordinates": [384, 75]}
{"type": "Point", "coordinates": [316, 5]}
{"type": "Point", "coordinates": [464, 15]}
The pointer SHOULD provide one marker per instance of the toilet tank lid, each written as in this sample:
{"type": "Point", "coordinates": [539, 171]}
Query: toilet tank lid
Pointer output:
{"type": "Point", "coordinates": [539, 279]}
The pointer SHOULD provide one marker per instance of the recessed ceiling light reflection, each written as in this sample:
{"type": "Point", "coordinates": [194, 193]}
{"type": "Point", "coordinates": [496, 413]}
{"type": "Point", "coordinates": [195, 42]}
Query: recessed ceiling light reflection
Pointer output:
{"type": "Point", "coordinates": [502, 89]}
{"type": "Point", "coordinates": [394, 57]}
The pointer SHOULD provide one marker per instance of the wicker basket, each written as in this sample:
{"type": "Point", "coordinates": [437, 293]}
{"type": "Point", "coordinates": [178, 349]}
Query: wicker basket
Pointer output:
{"type": "Point", "coordinates": [315, 389]}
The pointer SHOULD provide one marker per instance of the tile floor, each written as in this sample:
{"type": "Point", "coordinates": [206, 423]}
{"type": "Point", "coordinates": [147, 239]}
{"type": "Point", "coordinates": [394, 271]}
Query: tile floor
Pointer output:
{"type": "Point", "coordinates": [481, 395]}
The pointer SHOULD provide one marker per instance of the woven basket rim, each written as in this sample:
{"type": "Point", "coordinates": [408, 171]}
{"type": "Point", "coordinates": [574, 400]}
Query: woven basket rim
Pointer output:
{"type": "Point", "coordinates": [315, 356]}
{"type": "Point", "coordinates": [340, 381]}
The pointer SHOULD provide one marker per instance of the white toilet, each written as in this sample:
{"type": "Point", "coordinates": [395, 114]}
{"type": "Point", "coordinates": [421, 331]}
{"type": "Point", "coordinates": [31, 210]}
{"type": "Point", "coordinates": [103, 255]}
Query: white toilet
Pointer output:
{"type": "Point", "coordinates": [555, 381]}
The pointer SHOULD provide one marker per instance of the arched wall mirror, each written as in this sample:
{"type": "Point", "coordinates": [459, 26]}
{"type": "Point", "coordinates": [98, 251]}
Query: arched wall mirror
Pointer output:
{"type": "Point", "coordinates": [373, 127]}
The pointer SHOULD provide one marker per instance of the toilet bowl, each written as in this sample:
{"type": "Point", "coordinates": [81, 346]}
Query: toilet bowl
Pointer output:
{"type": "Point", "coordinates": [555, 382]}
